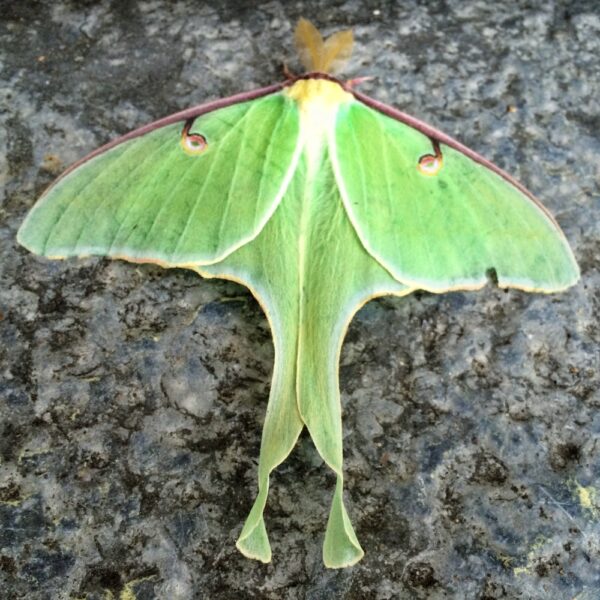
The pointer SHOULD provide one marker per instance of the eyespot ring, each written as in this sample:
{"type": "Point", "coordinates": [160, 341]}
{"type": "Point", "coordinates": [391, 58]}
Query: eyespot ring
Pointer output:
{"type": "Point", "coordinates": [192, 143]}
{"type": "Point", "coordinates": [430, 164]}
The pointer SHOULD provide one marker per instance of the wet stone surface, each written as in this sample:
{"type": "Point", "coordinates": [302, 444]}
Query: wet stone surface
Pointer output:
{"type": "Point", "coordinates": [132, 398]}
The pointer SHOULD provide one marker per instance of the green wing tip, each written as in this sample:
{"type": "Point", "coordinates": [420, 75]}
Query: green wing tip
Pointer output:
{"type": "Point", "coordinates": [255, 543]}
{"type": "Point", "coordinates": [340, 547]}
{"type": "Point", "coordinates": [21, 237]}
{"type": "Point", "coordinates": [342, 559]}
{"type": "Point", "coordinates": [28, 241]}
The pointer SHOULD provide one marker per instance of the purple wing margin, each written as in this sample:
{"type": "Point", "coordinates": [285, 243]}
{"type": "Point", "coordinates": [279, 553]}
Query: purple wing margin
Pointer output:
{"type": "Point", "coordinates": [183, 115]}
{"type": "Point", "coordinates": [437, 135]}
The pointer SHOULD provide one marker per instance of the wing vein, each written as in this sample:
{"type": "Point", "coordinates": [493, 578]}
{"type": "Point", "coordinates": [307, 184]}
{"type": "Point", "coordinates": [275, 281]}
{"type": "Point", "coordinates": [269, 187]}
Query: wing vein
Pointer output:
{"type": "Point", "coordinates": [191, 213]}
{"type": "Point", "coordinates": [227, 205]}
{"type": "Point", "coordinates": [74, 198]}
{"type": "Point", "coordinates": [132, 205]}
{"type": "Point", "coordinates": [268, 153]}
{"type": "Point", "coordinates": [120, 184]}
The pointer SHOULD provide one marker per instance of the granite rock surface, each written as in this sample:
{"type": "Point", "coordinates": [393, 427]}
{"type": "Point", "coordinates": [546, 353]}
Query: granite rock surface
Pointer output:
{"type": "Point", "coordinates": [132, 398]}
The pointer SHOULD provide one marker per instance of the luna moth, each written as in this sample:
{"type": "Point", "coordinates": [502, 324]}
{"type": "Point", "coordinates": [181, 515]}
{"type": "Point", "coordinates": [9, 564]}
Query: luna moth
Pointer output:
{"type": "Point", "coordinates": [317, 198]}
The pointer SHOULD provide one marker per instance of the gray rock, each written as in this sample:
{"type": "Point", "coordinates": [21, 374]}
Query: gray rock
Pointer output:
{"type": "Point", "coordinates": [132, 398]}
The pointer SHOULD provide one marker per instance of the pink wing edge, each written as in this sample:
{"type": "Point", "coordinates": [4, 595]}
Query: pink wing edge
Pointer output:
{"type": "Point", "coordinates": [440, 137]}
{"type": "Point", "coordinates": [180, 116]}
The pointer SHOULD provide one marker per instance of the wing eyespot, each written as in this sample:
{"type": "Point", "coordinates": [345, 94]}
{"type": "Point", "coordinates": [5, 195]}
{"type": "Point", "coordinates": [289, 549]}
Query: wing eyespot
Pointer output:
{"type": "Point", "coordinates": [430, 164]}
{"type": "Point", "coordinates": [192, 143]}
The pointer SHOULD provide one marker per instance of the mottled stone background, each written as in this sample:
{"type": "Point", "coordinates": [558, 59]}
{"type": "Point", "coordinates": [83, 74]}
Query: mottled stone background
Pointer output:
{"type": "Point", "coordinates": [132, 398]}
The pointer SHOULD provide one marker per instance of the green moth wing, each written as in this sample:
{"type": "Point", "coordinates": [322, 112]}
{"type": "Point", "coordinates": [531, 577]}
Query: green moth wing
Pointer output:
{"type": "Point", "coordinates": [189, 191]}
{"type": "Point", "coordinates": [316, 198]}
{"type": "Point", "coordinates": [437, 215]}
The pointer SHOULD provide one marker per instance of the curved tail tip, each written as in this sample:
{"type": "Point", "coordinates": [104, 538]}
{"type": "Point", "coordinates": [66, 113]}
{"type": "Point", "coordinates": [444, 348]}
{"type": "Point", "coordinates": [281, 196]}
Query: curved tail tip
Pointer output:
{"type": "Point", "coordinates": [343, 558]}
{"type": "Point", "coordinates": [340, 547]}
{"type": "Point", "coordinates": [255, 543]}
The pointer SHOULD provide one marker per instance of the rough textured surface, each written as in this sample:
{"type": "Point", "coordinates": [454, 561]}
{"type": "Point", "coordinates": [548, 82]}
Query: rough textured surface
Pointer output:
{"type": "Point", "coordinates": [131, 398]}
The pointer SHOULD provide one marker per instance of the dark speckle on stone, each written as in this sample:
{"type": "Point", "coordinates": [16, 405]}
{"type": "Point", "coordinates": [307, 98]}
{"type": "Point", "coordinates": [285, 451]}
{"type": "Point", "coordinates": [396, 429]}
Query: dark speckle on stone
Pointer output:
{"type": "Point", "coordinates": [103, 577]}
{"type": "Point", "coordinates": [489, 469]}
{"type": "Point", "coordinates": [7, 564]}
{"type": "Point", "coordinates": [420, 575]}
{"type": "Point", "coordinates": [132, 397]}
{"type": "Point", "coordinates": [564, 454]}
{"type": "Point", "coordinates": [10, 492]}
